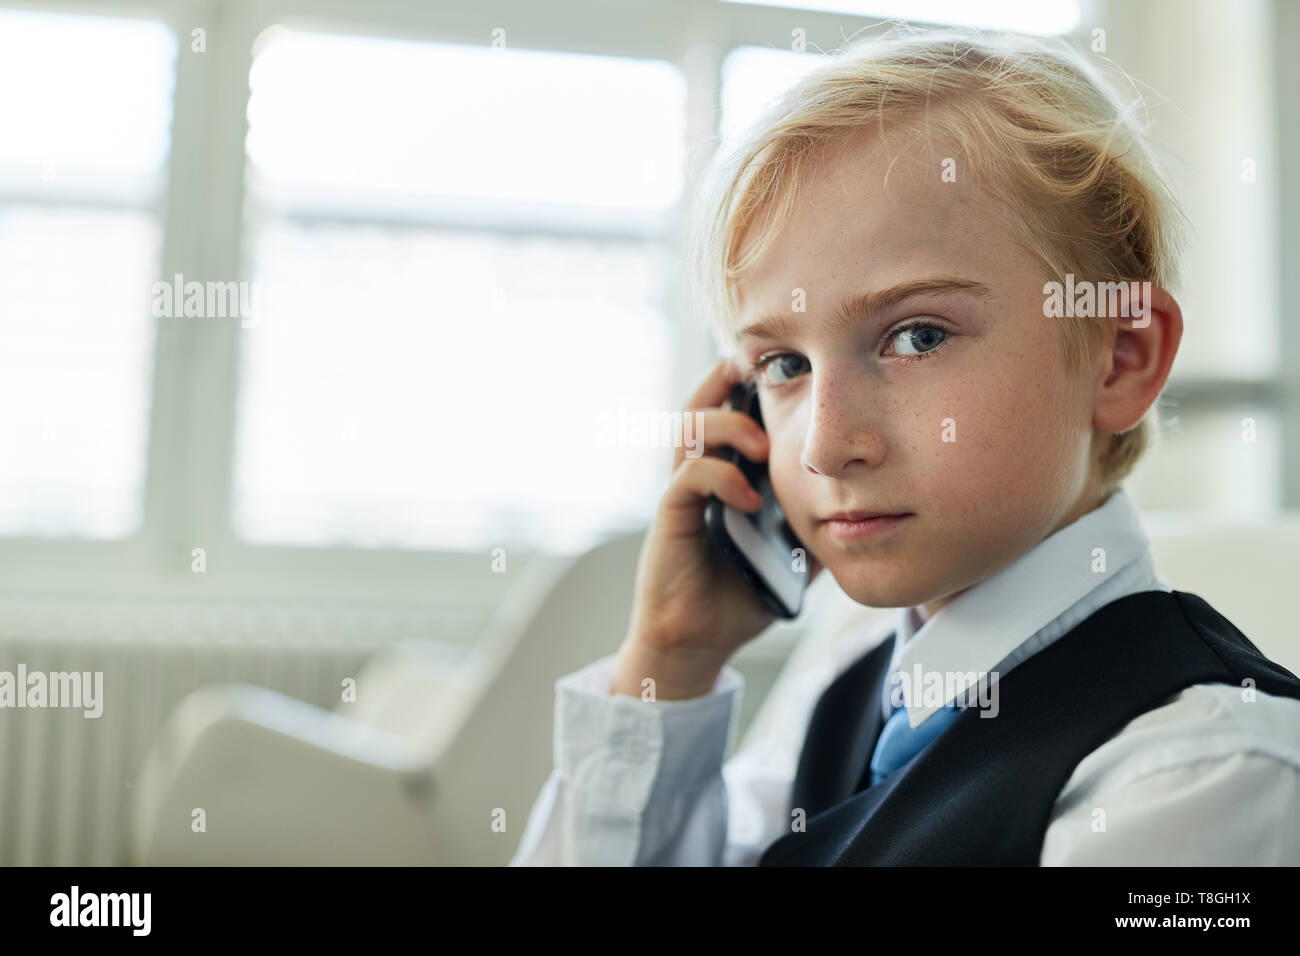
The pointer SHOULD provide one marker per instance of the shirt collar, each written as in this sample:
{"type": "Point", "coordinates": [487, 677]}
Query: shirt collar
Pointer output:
{"type": "Point", "coordinates": [981, 626]}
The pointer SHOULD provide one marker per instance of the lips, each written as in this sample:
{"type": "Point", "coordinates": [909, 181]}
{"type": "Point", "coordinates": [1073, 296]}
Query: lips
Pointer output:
{"type": "Point", "coordinates": [869, 524]}
{"type": "Point", "coordinates": [862, 515]}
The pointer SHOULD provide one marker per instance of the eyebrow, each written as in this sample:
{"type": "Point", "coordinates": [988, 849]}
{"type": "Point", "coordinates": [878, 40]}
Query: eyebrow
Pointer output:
{"type": "Point", "coordinates": [863, 305]}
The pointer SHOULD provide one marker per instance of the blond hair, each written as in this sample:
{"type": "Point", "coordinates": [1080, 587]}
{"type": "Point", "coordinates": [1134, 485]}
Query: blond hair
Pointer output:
{"type": "Point", "coordinates": [1036, 125]}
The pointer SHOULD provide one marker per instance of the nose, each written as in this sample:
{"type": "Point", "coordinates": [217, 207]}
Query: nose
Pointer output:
{"type": "Point", "coordinates": [841, 433]}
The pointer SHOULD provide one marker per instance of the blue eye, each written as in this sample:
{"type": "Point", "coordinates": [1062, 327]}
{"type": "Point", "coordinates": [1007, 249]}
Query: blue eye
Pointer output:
{"type": "Point", "coordinates": [786, 362]}
{"type": "Point", "coordinates": [920, 337]}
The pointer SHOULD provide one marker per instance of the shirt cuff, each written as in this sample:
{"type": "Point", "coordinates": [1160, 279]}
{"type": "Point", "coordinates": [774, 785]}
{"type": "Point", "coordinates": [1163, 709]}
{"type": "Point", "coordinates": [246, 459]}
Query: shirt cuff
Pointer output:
{"type": "Point", "coordinates": [620, 749]}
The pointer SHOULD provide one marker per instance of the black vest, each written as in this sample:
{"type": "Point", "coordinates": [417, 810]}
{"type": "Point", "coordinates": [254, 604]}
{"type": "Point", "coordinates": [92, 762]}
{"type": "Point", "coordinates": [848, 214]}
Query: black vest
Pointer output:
{"type": "Point", "coordinates": [982, 793]}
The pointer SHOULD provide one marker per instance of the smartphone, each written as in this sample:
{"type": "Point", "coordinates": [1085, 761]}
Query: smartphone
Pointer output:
{"type": "Point", "coordinates": [761, 545]}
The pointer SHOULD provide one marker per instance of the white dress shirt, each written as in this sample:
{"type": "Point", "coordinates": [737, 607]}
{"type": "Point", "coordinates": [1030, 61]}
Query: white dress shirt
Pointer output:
{"type": "Point", "coordinates": [1205, 778]}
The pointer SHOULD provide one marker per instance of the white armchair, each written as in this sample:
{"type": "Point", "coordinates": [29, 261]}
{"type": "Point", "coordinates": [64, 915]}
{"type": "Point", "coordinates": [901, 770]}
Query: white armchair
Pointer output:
{"type": "Point", "coordinates": [432, 755]}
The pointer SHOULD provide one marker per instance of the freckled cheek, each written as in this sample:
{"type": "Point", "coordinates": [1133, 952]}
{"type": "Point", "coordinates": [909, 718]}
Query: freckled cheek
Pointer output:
{"type": "Point", "coordinates": [785, 472]}
{"type": "Point", "coordinates": [792, 483]}
{"type": "Point", "coordinates": [969, 445]}
{"type": "Point", "coordinates": [937, 424]}
{"type": "Point", "coordinates": [1011, 435]}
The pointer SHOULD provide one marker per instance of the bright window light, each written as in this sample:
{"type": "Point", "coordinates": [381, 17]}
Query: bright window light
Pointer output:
{"type": "Point", "coordinates": [347, 113]}
{"type": "Point", "coordinates": [753, 76]}
{"type": "Point", "coordinates": [419, 384]}
{"type": "Point", "coordinates": [86, 113]}
{"type": "Point", "coordinates": [83, 96]}
{"type": "Point", "coordinates": [1021, 16]}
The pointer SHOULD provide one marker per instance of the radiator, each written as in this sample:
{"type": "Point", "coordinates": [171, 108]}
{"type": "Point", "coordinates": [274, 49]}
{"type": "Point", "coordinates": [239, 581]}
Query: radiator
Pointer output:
{"type": "Point", "coordinates": [66, 780]}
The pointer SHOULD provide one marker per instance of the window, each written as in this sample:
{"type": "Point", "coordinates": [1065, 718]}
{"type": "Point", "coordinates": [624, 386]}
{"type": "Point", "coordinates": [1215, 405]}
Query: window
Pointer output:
{"type": "Point", "coordinates": [451, 291]}
{"type": "Point", "coordinates": [82, 171]}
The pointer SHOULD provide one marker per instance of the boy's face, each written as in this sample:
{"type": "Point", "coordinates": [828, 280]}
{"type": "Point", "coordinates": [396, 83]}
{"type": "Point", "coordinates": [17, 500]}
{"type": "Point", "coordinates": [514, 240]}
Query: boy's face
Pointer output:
{"type": "Point", "coordinates": [857, 424]}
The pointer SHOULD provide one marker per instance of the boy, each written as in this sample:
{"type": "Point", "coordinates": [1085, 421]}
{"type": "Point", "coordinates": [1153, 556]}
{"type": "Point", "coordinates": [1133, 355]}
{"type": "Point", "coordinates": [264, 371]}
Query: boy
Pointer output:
{"type": "Point", "coordinates": [885, 258]}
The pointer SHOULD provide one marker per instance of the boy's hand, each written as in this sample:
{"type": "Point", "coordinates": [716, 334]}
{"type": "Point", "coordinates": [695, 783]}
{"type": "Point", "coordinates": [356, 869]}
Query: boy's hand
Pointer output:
{"type": "Point", "coordinates": [691, 607]}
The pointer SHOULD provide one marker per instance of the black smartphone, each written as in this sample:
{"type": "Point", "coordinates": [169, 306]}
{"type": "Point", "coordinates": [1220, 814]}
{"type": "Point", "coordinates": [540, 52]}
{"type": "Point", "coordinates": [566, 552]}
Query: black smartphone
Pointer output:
{"type": "Point", "coordinates": [761, 545]}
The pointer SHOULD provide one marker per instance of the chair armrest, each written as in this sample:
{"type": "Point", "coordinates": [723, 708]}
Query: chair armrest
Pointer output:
{"type": "Point", "coordinates": [281, 782]}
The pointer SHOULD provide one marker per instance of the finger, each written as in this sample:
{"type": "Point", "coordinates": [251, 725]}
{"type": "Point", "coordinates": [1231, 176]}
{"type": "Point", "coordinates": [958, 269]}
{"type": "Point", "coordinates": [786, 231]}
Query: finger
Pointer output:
{"type": "Point", "coordinates": [717, 385]}
{"type": "Point", "coordinates": [706, 430]}
{"type": "Point", "coordinates": [698, 480]}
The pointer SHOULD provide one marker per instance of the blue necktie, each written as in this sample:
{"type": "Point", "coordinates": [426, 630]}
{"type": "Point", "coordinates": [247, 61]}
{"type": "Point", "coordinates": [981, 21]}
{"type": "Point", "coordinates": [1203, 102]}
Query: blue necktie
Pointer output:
{"type": "Point", "coordinates": [899, 742]}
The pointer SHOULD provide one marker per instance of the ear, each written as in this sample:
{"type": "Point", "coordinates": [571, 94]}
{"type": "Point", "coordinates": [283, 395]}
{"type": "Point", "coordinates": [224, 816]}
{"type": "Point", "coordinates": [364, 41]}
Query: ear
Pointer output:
{"type": "Point", "coordinates": [1140, 356]}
